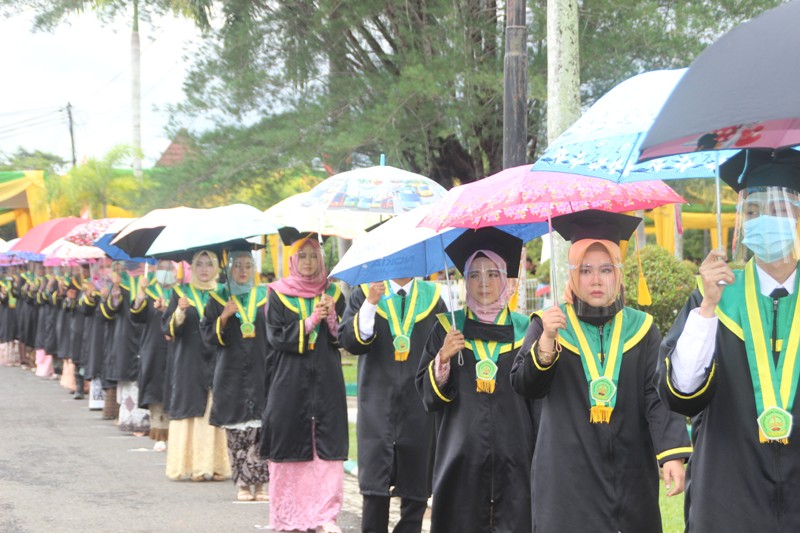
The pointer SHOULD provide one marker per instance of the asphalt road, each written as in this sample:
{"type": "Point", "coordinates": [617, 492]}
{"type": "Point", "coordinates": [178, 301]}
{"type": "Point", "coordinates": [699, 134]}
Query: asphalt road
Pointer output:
{"type": "Point", "coordinates": [64, 469]}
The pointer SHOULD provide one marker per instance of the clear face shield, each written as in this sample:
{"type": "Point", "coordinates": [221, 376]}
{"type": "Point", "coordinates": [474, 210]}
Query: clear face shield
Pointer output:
{"type": "Point", "coordinates": [766, 225]}
{"type": "Point", "coordinates": [485, 281]}
{"type": "Point", "coordinates": [595, 282]}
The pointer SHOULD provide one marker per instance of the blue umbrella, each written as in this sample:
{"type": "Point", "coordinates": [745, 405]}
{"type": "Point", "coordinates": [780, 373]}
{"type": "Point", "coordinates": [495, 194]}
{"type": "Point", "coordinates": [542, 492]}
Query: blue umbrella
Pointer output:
{"type": "Point", "coordinates": [399, 248]}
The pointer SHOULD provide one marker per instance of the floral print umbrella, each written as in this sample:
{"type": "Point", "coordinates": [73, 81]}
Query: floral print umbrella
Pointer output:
{"type": "Point", "coordinates": [87, 233]}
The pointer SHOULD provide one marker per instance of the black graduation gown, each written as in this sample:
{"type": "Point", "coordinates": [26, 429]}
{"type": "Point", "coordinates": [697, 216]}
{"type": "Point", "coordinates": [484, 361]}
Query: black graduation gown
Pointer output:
{"type": "Point", "coordinates": [306, 385]}
{"type": "Point", "coordinates": [52, 310]}
{"type": "Point", "coordinates": [484, 444]}
{"type": "Point", "coordinates": [106, 348]}
{"type": "Point", "coordinates": [64, 314]}
{"type": "Point", "coordinates": [736, 483]}
{"type": "Point", "coordinates": [124, 355]}
{"type": "Point", "coordinates": [19, 312]}
{"type": "Point", "coordinates": [192, 365]}
{"type": "Point", "coordinates": [395, 433]}
{"type": "Point", "coordinates": [94, 347]}
{"type": "Point", "coordinates": [153, 353]}
{"type": "Point", "coordinates": [42, 320]}
{"type": "Point", "coordinates": [597, 476]}
{"type": "Point", "coordinates": [78, 333]}
{"type": "Point", "coordinates": [31, 317]}
{"type": "Point", "coordinates": [6, 318]}
{"type": "Point", "coordinates": [239, 387]}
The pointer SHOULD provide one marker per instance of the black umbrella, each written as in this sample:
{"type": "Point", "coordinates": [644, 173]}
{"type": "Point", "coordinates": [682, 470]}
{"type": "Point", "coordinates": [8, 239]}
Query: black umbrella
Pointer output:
{"type": "Point", "coordinates": [740, 92]}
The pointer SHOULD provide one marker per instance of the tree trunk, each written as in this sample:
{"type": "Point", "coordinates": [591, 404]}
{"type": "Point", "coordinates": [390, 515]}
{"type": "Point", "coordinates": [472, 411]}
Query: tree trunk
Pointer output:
{"type": "Point", "coordinates": [563, 103]}
{"type": "Point", "coordinates": [136, 94]}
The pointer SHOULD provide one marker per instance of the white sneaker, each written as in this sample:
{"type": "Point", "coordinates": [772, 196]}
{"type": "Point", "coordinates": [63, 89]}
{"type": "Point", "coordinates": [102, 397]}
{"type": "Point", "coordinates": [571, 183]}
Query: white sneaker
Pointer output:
{"type": "Point", "coordinates": [160, 446]}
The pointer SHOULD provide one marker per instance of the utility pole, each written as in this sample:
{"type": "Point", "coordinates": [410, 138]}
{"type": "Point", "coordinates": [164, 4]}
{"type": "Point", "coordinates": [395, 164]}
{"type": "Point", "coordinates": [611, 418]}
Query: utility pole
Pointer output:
{"type": "Point", "coordinates": [136, 93]}
{"type": "Point", "coordinates": [515, 112]}
{"type": "Point", "coordinates": [71, 133]}
{"type": "Point", "coordinates": [515, 86]}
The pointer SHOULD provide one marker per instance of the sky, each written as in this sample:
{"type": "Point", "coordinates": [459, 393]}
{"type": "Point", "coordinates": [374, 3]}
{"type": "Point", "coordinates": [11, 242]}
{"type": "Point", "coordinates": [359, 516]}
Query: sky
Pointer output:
{"type": "Point", "coordinates": [87, 63]}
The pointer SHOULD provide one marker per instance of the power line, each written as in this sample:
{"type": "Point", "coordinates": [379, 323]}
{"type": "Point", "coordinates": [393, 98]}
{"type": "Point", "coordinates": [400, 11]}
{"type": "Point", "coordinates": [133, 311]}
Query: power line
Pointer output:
{"type": "Point", "coordinates": [28, 111]}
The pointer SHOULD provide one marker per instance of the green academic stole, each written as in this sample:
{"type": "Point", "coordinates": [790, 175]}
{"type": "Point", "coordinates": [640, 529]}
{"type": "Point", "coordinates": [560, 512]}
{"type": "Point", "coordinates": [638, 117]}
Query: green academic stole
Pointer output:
{"type": "Point", "coordinates": [487, 352]}
{"type": "Point", "coordinates": [305, 306]}
{"type": "Point", "coordinates": [131, 284]}
{"type": "Point", "coordinates": [627, 327]}
{"type": "Point", "coordinates": [774, 386]}
{"type": "Point", "coordinates": [422, 298]}
{"type": "Point", "coordinates": [247, 310]}
{"type": "Point", "coordinates": [156, 292]}
{"type": "Point", "coordinates": [198, 300]}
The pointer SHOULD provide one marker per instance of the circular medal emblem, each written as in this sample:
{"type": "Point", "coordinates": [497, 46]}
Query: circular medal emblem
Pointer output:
{"type": "Point", "coordinates": [775, 423]}
{"type": "Point", "coordinates": [602, 389]}
{"type": "Point", "coordinates": [486, 369]}
{"type": "Point", "coordinates": [402, 343]}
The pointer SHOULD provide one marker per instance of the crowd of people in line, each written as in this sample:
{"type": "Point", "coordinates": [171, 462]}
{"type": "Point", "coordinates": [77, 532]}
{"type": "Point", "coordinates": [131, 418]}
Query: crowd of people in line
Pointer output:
{"type": "Point", "coordinates": [553, 422]}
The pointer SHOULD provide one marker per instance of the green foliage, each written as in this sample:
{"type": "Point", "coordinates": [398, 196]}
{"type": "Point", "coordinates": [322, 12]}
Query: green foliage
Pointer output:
{"type": "Point", "coordinates": [543, 272]}
{"type": "Point", "coordinates": [97, 183]}
{"type": "Point", "coordinates": [670, 282]}
{"type": "Point", "coordinates": [35, 160]}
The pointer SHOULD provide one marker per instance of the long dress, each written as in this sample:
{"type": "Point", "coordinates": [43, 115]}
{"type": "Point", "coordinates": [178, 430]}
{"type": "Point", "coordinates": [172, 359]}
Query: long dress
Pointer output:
{"type": "Point", "coordinates": [304, 427]}
{"type": "Point", "coordinates": [196, 449]}
{"type": "Point", "coordinates": [239, 380]}
{"type": "Point", "coordinates": [735, 482]}
{"type": "Point", "coordinates": [153, 361]}
{"type": "Point", "coordinates": [395, 433]}
{"type": "Point", "coordinates": [485, 441]}
{"type": "Point", "coordinates": [599, 474]}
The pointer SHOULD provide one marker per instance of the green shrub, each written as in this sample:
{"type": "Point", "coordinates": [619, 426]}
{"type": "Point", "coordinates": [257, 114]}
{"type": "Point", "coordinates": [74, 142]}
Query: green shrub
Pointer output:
{"type": "Point", "coordinates": [670, 281]}
{"type": "Point", "coordinates": [543, 272]}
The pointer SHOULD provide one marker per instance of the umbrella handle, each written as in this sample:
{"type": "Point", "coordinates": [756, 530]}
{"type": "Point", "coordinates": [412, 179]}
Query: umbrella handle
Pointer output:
{"type": "Point", "coordinates": [719, 216]}
{"type": "Point", "coordinates": [450, 297]}
{"type": "Point", "coordinates": [553, 279]}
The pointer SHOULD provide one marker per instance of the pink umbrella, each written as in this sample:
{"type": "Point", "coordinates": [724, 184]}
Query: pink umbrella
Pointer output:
{"type": "Point", "coordinates": [64, 253]}
{"type": "Point", "coordinates": [519, 195]}
{"type": "Point", "coordinates": [85, 234]}
{"type": "Point", "coordinates": [45, 233]}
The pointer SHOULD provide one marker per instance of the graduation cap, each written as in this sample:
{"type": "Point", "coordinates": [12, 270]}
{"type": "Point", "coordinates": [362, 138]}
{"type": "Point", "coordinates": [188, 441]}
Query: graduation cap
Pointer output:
{"type": "Point", "coordinates": [503, 244]}
{"type": "Point", "coordinates": [614, 227]}
{"type": "Point", "coordinates": [762, 168]}
{"type": "Point", "coordinates": [290, 235]}
{"type": "Point", "coordinates": [596, 224]}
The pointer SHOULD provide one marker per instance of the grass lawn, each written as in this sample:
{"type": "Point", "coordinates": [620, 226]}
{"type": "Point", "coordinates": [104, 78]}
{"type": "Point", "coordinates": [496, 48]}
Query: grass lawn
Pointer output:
{"type": "Point", "coordinates": [350, 368]}
{"type": "Point", "coordinates": [671, 511]}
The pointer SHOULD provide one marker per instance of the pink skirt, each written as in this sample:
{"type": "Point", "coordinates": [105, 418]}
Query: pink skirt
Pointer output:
{"type": "Point", "coordinates": [306, 494]}
{"type": "Point", "coordinates": [44, 364]}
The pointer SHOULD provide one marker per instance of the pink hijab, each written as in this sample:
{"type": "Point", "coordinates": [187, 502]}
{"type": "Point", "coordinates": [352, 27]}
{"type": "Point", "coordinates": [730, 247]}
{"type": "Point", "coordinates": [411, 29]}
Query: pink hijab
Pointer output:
{"type": "Point", "coordinates": [487, 313]}
{"type": "Point", "coordinates": [298, 285]}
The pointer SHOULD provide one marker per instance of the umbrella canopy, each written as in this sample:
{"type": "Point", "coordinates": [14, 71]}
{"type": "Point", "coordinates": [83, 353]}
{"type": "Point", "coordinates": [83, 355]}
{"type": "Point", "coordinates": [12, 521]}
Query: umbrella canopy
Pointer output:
{"type": "Point", "coordinates": [738, 93]}
{"type": "Point", "coordinates": [605, 141]}
{"type": "Point", "coordinates": [519, 195]}
{"type": "Point", "coordinates": [44, 234]}
{"type": "Point", "coordinates": [114, 252]}
{"type": "Point", "coordinates": [348, 203]}
{"type": "Point", "coordinates": [65, 253]}
{"type": "Point", "coordinates": [137, 237]}
{"type": "Point", "coordinates": [85, 234]}
{"type": "Point", "coordinates": [226, 226]}
{"type": "Point", "coordinates": [400, 248]}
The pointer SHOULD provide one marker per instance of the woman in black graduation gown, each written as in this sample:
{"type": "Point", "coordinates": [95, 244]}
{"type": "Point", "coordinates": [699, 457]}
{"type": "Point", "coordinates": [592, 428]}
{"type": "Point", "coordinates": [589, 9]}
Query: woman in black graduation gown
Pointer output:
{"type": "Point", "coordinates": [234, 323]}
{"type": "Point", "coordinates": [148, 309]}
{"type": "Point", "coordinates": [485, 431]}
{"type": "Point", "coordinates": [603, 431]}
{"type": "Point", "coordinates": [304, 427]}
{"type": "Point", "coordinates": [8, 355]}
{"type": "Point", "coordinates": [196, 449]}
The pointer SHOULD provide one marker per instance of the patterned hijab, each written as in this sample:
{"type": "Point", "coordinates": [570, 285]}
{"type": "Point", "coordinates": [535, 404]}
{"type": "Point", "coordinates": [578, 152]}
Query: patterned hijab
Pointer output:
{"type": "Point", "coordinates": [295, 284]}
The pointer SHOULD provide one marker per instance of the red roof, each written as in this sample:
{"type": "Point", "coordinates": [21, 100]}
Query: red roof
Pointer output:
{"type": "Point", "coordinates": [176, 152]}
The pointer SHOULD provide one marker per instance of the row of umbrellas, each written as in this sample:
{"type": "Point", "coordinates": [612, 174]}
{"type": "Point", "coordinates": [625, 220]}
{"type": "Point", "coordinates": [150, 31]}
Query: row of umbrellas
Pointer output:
{"type": "Point", "coordinates": [662, 125]}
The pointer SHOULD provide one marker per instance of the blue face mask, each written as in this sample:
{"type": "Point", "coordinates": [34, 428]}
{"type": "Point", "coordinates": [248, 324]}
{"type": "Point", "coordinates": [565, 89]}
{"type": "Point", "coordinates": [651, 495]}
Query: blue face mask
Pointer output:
{"type": "Point", "coordinates": [769, 237]}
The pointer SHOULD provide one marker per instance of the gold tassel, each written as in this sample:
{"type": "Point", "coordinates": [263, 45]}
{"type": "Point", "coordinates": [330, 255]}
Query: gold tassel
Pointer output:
{"type": "Point", "coordinates": [643, 296]}
{"type": "Point", "coordinates": [485, 385]}
{"type": "Point", "coordinates": [600, 414]}
{"type": "Point", "coordinates": [763, 439]}
{"type": "Point", "coordinates": [400, 356]}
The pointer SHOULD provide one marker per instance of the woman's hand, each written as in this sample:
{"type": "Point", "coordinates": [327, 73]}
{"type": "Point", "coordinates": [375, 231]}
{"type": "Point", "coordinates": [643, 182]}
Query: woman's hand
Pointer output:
{"type": "Point", "coordinates": [376, 291]}
{"type": "Point", "coordinates": [183, 303]}
{"type": "Point", "coordinates": [553, 319]}
{"type": "Point", "coordinates": [674, 476]}
{"type": "Point", "coordinates": [325, 306]}
{"type": "Point", "coordinates": [453, 343]}
{"type": "Point", "coordinates": [229, 310]}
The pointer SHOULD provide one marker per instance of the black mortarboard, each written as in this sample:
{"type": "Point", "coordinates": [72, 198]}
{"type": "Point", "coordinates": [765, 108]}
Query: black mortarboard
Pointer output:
{"type": "Point", "coordinates": [762, 168]}
{"type": "Point", "coordinates": [595, 224]}
{"type": "Point", "coordinates": [503, 244]}
{"type": "Point", "coordinates": [290, 235]}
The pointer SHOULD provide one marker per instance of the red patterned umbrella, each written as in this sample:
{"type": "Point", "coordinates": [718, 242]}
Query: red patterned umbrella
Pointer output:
{"type": "Point", "coordinates": [520, 195]}
{"type": "Point", "coordinates": [45, 233]}
{"type": "Point", "coordinates": [86, 234]}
